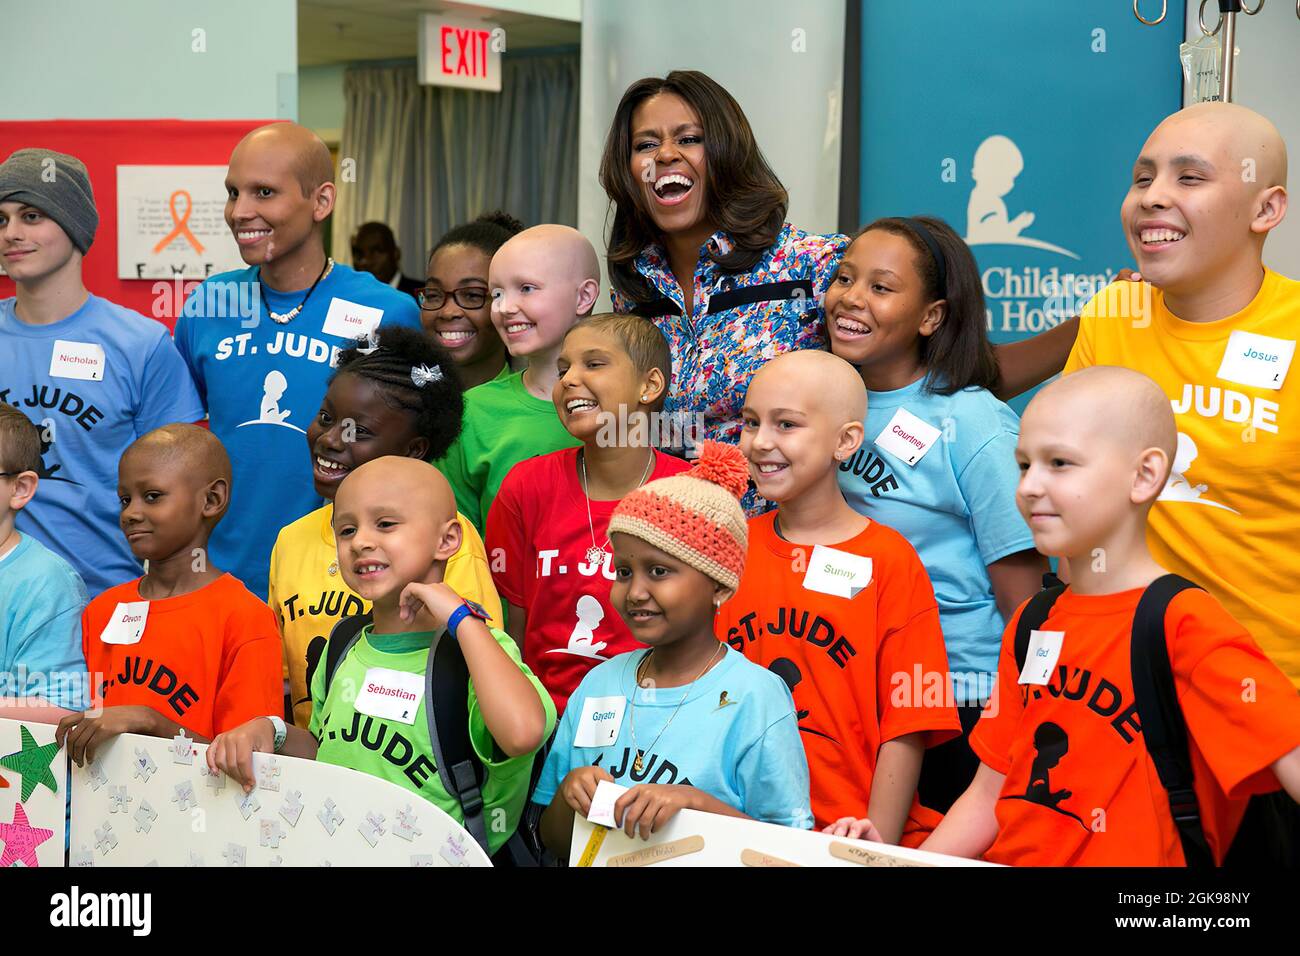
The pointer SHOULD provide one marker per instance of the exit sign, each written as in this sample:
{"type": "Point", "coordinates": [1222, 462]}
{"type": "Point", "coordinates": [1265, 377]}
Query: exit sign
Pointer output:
{"type": "Point", "coordinates": [461, 53]}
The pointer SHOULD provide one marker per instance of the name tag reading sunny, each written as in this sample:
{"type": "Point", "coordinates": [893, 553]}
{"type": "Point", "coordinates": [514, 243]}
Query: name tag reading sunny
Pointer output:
{"type": "Point", "coordinates": [837, 572]}
{"type": "Point", "coordinates": [390, 695]}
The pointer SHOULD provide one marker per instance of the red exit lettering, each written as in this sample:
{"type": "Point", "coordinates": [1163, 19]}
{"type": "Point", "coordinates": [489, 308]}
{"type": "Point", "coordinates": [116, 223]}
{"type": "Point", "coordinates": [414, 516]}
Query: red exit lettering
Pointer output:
{"type": "Point", "coordinates": [464, 52]}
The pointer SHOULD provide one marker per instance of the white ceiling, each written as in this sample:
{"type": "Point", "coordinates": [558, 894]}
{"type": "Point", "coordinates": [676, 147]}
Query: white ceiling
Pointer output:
{"type": "Point", "coordinates": [341, 31]}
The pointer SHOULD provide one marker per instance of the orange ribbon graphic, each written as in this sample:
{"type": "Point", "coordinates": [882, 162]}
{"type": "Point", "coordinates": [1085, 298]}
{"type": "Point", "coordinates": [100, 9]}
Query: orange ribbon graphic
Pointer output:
{"type": "Point", "coordinates": [181, 229]}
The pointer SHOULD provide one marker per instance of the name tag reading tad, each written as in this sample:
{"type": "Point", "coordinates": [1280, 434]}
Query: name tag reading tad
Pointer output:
{"type": "Point", "coordinates": [390, 695]}
{"type": "Point", "coordinates": [83, 360]}
{"type": "Point", "coordinates": [907, 437]}
{"type": "Point", "coordinates": [1040, 659]}
{"type": "Point", "coordinates": [1258, 360]}
{"type": "Point", "coordinates": [351, 320]}
{"type": "Point", "coordinates": [126, 626]}
{"type": "Point", "coordinates": [837, 573]}
{"type": "Point", "coordinates": [601, 718]}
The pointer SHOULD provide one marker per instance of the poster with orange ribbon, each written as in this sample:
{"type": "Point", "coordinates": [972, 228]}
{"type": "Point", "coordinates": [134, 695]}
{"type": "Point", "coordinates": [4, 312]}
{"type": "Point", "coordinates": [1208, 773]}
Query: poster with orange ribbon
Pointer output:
{"type": "Point", "coordinates": [171, 223]}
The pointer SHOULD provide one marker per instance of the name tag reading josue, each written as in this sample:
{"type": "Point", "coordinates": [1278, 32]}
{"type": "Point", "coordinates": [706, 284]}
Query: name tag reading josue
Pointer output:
{"type": "Point", "coordinates": [837, 572]}
{"type": "Point", "coordinates": [1040, 659]}
{"type": "Point", "coordinates": [601, 718]}
{"type": "Point", "coordinates": [126, 625]}
{"type": "Point", "coordinates": [351, 320]}
{"type": "Point", "coordinates": [83, 360]}
{"type": "Point", "coordinates": [1258, 360]}
{"type": "Point", "coordinates": [907, 437]}
{"type": "Point", "coordinates": [390, 695]}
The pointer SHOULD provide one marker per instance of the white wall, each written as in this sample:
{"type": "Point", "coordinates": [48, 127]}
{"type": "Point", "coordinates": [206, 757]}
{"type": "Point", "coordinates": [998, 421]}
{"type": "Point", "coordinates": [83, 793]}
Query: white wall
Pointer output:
{"type": "Point", "coordinates": [792, 99]}
{"type": "Point", "coordinates": [1267, 79]}
{"type": "Point", "coordinates": [94, 59]}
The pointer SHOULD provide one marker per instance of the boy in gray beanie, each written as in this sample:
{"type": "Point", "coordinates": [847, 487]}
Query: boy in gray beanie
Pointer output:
{"type": "Point", "coordinates": [58, 185]}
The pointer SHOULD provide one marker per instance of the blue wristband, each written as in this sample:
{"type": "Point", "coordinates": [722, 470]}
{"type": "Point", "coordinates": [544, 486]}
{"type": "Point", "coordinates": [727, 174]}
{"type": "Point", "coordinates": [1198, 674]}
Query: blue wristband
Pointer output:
{"type": "Point", "coordinates": [468, 609]}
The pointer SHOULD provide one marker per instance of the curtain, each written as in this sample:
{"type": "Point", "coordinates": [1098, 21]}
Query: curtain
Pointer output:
{"type": "Point", "coordinates": [427, 158]}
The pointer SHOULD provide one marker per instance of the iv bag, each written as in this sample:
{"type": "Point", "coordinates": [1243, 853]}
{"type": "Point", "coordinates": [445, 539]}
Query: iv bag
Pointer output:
{"type": "Point", "coordinates": [1202, 61]}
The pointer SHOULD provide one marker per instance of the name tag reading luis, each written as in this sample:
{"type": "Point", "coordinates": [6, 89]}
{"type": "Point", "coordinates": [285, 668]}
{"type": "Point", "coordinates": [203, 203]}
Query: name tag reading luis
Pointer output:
{"type": "Point", "coordinates": [1040, 659]}
{"type": "Point", "coordinates": [1258, 360]}
{"type": "Point", "coordinates": [390, 695]}
{"type": "Point", "coordinates": [351, 320]}
{"type": "Point", "coordinates": [837, 572]}
{"type": "Point", "coordinates": [601, 718]}
{"type": "Point", "coordinates": [126, 625]}
{"type": "Point", "coordinates": [907, 437]}
{"type": "Point", "coordinates": [83, 360]}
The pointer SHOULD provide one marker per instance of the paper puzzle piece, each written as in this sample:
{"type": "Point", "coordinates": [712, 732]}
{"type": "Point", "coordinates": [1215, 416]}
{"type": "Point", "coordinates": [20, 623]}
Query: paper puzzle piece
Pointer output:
{"type": "Point", "coordinates": [118, 799]}
{"type": "Point", "coordinates": [195, 859]}
{"type": "Point", "coordinates": [372, 829]}
{"type": "Point", "coordinates": [276, 860]}
{"type": "Point", "coordinates": [330, 817]}
{"type": "Point", "coordinates": [405, 826]}
{"type": "Point", "coordinates": [184, 796]}
{"type": "Point", "coordinates": [291, 809]}
{"type": "Point", "coordinates": [454, 850]}
{"type": "Point", "coordinates": [270, 833]}
{"type": "Point", "coordinates": [21, 839]}
{"type": "Point", "coordinates": [267, 777]}
{"type": "Point", "coordinates": [324, 863]}
{"type": "Point", "coordinates": [248, 803]}
{"type": "Point", "coordinates": [104, 839]}
{"type": "Point", "coordinates": [82, 857]}
{"type": "Point", "coordinates": [32, 762]}
{"type": "Point", "coordinates": [143, 764]}
{"type": "Point", "coordinates": [234, 854]}
{"type": "Point", "coordinates": [97, 776]}
{"type": "Point", "coordinates": [145, 815]}
{"type": "Point", "coordinates": [422, 859]}
{"type": "Point", "coordinates": [216, 779]}
{"type": "Point", "coordinates": [182, 749]}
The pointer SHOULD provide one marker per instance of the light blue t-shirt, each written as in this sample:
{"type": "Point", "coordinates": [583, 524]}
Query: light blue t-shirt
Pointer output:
{"type": "Point", "coordinates": [263, 383]}
{"type": "Point", "coordinates": [956, 506]}
{"type": "Point", "coordinates": [86, 423]}
{"type": "Point", "coordinates": [735, 737]}
{"type": "Point", "coordinates": [41, 600]}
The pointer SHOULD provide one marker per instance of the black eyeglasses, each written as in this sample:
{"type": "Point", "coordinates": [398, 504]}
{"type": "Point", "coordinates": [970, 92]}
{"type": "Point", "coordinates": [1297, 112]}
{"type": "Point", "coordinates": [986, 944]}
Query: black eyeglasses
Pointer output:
{"type": "Point", "coordinates": [432, 299]}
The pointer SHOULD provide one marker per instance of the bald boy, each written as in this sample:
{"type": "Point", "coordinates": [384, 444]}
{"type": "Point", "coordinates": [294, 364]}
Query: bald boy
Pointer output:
{"type": "Point", "coordinates": [1216, 330]}
{"type": "Point", "coordinates": [261, 342]}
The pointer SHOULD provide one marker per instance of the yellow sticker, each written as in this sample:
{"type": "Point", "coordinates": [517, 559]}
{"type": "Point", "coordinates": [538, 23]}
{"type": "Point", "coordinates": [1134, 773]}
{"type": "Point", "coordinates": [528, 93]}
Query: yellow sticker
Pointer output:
{"type": "Point", "coordinates": [593, 846]}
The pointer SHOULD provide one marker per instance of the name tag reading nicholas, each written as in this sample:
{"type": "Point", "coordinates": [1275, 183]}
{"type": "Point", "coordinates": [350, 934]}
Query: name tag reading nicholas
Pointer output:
{"type": "Point", "coordinates": [1258, 360]}
{"type": "Point", "coordinates": [351, 320]}
{"type": "Point", "coordinates": [83, 360]}
{"type": "Point", "coordinates": [390, 695]}
{"type": "Point", "coordinates": [837, 572]}
{"type": "Point", "coordinates": [907, 437]}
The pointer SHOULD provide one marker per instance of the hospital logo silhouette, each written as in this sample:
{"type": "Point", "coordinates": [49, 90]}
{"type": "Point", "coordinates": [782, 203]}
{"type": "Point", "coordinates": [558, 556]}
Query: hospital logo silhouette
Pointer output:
{"type": "Point", "coordinates": [998, 161]}
{"type": "Point", "coordinates": [270, 413]}
{"type": "Point", "coordinates": [789, 672]}
{"type": "Point", "coordinates": [582, 640]}
{"type": "Point", "coordinates": [1178, 487]}
{"type": "Point", "coordinates": [1051, 743]}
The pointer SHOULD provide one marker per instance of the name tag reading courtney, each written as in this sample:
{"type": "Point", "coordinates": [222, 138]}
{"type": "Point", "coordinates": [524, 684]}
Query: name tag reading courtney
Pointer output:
{"type": "Point", "coordinates": [1040, 659]}
{"type": "Point", "coordinates": [126, 625]}
{"type": "Point", "coordinates": [351, 320]}
{"type": "Point", "coordinates": [907, 437]}
{"type": "Point", "coordinates": [1258, 360]}
{"type": "Point", "coordinates": [601, 718]}
{"type": "Point", "coordinates": [390, 695]}
{"type": "Point", "coordinates": [837, 572]}
{"type": "Point", "coordinates": [83, 360]}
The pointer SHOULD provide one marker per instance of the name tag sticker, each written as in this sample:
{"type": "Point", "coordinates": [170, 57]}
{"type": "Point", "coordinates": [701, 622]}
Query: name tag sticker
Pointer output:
{"type": "Point", "coordinates": [1258, 360]}
{"type": "Point", "coordinates": [1040, 659]}
{"type": "Point", "coordinates": [907, 437]}
{"type": "Point", "coordinates": [602, 803]}
{"type": "Point", "coordinates": [126, 626]}
{"type": "Point", "coordinates": [390, 695]}
{"type": "Point", "coordinates": [351, 320]}
{"type": "Point", "coordinates": [601, 718]}
{"type": "Point", "coordinates": [837, 573]}
{"type": "Point", "coordinates": [83, 360]}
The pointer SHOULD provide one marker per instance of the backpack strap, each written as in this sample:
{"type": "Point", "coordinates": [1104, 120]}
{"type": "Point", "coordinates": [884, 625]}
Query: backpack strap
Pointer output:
{"type": "Point", "coordinates": [446, 705]}
{"type": "Point", "coordinates": [1163, 728]}
{"type": "Point", "coordinates": [1035, 614]}
{"type": "Point", "coordinates": [345, 633]}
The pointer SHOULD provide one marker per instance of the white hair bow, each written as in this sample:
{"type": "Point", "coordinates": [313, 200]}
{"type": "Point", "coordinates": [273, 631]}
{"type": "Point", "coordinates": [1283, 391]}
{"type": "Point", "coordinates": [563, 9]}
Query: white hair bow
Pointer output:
{"type": "Point", "coordinates": [422, 375]}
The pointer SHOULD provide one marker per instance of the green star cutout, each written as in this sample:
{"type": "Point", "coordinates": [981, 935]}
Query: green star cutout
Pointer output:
{"type": "Point", "coordinates": [32, 763]}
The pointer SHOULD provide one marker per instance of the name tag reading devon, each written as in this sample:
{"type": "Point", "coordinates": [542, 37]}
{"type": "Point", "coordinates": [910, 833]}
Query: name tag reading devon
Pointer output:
{"type": "Point", "coordinates": [351, 320]}
{"type": "Point", "coordinates": [907, 437]}
{"type": "Point", "coordinates": [126, 625]}
{"type": "Point", "coordinates": [601, 718]}
{"type": "Point", "coordinates": [390, 695]}
{"type": "Point", "coordinates": [1258, 360]}
{"type": "Point", "coordinates": [83, 360]}
{"type": "Point", "coordinates": [837, 572]}
{"type": "Point", "coordinates": [1040, 659]}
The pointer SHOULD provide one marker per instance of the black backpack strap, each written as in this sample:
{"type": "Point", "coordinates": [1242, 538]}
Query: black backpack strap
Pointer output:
{"type": "Point", "coordinates": [1161, 719]}
{"type": "Point", "coordinates": [345, 633]}
{"type": "Point", "coordinates": [446, 705]}
{"type": "Point", "coordinates": [1035, 614]}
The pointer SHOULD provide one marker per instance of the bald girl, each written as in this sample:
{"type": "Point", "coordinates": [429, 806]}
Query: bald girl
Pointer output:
{"type": "Point", "coordinates": [550, 255]}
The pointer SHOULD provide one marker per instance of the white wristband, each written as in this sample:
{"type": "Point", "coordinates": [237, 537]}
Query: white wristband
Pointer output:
{"type": "Point", "coordinates": [281, 731]}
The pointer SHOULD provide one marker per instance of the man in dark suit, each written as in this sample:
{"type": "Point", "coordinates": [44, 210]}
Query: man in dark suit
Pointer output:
{"type": "Point", "coordinates": [374, 250]}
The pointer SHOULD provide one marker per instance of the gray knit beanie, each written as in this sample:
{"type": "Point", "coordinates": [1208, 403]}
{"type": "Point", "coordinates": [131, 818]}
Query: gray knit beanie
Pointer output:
{"type": "Point", "coordinates": [57, 184]}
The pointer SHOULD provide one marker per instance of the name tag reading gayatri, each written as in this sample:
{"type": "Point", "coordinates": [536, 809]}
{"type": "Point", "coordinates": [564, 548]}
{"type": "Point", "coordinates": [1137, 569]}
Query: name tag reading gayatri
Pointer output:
{"type": "Point", "coordinates": [837, 572]}
{"type": "Point", "coordinates": [126, 625]}
{"type": "Point", "coordinates": [390, 695]}
{"type": "Point", "coordinates": [351, 320]}
{"type": "Point", "coordinates": [1258, 360]}
{"type": "Point", "coordinates": [83, 360]}
{"type": "Point", "coordinates": [600, 721]}
{"type": "Point", "coordinates": [907, 437]}
{"type": "Point", "coordinates": [1040, 659]}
